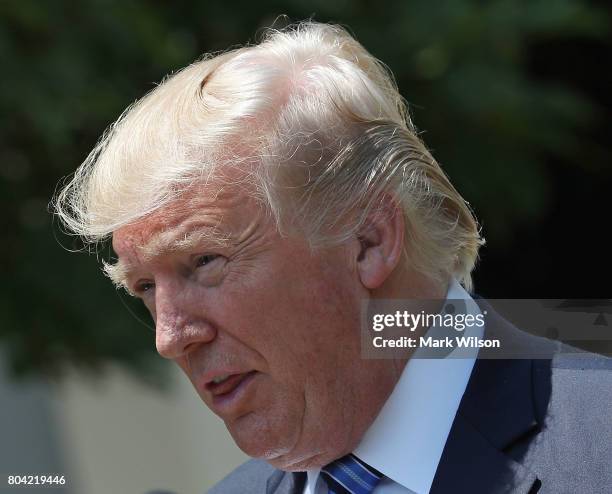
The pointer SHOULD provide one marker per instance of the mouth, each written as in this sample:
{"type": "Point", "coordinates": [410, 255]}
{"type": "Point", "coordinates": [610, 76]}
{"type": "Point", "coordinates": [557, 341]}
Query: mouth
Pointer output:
{"type": "Point", "coordinates": [228, 391]}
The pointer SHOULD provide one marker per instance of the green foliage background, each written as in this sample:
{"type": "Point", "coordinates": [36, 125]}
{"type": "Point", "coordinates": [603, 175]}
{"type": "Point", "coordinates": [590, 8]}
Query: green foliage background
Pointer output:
{"type": "Point", "coordinates": [70, 67]}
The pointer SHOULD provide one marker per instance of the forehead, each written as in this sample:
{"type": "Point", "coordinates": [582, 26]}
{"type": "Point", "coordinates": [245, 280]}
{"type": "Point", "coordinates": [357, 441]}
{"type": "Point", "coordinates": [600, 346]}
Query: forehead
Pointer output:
{"type": "Point", "coordinates": [218, 209]}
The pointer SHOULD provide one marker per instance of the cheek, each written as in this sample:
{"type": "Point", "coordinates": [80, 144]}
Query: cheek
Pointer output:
{"type": "Point", "coordinates": [299, 318]}
{"type": "Point", "coordinates": [312, 334]}
{"type": "Point", "coordinates": [302, 322]}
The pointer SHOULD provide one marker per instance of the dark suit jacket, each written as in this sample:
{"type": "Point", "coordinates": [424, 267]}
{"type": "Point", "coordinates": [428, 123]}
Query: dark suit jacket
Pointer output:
{"type": "Point", "coordinates": [523, 426]}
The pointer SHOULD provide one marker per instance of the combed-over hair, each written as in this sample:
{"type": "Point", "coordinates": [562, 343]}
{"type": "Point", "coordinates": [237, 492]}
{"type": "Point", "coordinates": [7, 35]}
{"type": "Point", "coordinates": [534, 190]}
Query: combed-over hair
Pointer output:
{"type": "Point", "coordinates": [318, 125]}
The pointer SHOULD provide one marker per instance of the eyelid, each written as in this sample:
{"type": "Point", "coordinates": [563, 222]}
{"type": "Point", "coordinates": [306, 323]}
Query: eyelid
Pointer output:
{"type": "Point", "coordinates": [143, 286]}
{"type": "Point", "coordinates": [200, 257]}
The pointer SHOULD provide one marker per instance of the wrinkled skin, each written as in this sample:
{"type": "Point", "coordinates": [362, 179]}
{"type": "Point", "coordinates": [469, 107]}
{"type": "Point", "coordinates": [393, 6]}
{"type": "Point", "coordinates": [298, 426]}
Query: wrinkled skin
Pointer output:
{"type": "Point", "coordinates": [265, 303]}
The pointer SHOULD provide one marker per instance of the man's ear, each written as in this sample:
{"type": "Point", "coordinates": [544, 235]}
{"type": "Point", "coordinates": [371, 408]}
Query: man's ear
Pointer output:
{"type": "Point", "coordinates": [381, 243]}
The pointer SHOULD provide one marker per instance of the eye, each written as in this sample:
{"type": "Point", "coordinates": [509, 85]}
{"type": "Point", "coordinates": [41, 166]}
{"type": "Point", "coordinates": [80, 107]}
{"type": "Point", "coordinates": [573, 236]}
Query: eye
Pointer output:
{"type": "Point", "coordinates": [205, 259]}
{"type": "Point", "coordinates": [143, 287]}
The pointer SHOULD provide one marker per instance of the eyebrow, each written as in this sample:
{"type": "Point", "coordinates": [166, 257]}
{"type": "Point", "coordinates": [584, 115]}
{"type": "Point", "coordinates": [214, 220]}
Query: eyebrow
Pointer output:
{"type": "Point", "coordinates": [165, 243]}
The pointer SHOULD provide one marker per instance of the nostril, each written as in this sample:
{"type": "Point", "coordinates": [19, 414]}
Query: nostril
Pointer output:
{"type": "Point", "coordinates": [190, 347]}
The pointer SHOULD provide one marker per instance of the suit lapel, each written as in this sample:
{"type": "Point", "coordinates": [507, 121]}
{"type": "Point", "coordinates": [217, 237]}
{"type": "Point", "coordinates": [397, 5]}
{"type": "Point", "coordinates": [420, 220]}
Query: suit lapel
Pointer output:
{"type": "Point", "coordinates": [470, 464]}
{"type": "Point", "coordinates": [490, 419]}
{"type": "Point", "coordinates": [497, 414]}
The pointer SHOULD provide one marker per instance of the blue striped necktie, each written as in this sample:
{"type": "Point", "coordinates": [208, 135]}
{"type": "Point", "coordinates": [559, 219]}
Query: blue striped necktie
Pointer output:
{"type": "Point", "coordinates": [349, 475]}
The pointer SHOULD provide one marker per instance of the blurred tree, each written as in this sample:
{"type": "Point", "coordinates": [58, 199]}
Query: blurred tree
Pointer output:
{"type": "Point", "coordinates": [70, 67]}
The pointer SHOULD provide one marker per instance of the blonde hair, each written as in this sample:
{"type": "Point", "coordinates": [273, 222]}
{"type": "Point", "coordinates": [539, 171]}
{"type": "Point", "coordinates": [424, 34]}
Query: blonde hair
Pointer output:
{"type": "Point", "coordinates": [316, 122]}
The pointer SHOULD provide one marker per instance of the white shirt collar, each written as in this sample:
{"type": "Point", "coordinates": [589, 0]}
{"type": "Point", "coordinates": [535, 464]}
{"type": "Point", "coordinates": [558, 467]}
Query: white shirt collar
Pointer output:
{"type": "Point", "coordinates": [406, 440]}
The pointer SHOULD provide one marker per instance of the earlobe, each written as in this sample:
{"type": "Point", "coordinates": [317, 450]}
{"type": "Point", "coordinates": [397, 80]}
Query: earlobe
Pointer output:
{"type": "Point", "coordinates": [381, 241]}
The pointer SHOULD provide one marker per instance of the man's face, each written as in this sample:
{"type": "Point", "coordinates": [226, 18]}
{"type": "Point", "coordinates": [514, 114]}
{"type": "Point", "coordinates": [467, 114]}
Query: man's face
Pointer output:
{"type": "Point", "coordinates": [280, 321]}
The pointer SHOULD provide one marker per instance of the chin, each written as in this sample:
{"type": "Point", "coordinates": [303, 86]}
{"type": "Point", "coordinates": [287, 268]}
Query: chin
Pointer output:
{"type": "Point", "coordinates": [258, 439]}
{"type": "Point", "coordinates": [284, 451]}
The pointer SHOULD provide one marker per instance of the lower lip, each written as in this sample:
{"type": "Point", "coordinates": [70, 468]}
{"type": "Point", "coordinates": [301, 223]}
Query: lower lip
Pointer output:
{"type": "Point", "coordinates": [228, 403]}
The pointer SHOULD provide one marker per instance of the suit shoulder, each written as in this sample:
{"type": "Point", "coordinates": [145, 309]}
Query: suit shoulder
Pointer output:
{"type": "Point", "coordinates": [580, 361]}
{"type": "Point", "coordinates": [575, 375]}
{"type": "Point", "coordinates": [251, 476]}
{"type": "Point", "coordinates": [574, 441]}
{"type": "Point", "coordinates": [573, 393]}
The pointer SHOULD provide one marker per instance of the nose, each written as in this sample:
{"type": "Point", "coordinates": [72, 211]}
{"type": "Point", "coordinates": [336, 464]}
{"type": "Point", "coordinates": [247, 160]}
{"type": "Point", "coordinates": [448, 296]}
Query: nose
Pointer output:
{"type": "Point", "coordinates": [180, 323]}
